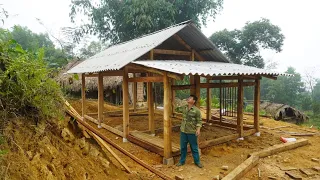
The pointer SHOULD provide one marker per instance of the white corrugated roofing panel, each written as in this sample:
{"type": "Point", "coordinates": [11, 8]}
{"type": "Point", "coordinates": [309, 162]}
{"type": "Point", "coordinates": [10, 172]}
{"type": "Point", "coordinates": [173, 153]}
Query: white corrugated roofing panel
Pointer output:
{"type": "Point", "coordinates": [207, 68]}
{"type": "Point", "coordinates": [117, 56]}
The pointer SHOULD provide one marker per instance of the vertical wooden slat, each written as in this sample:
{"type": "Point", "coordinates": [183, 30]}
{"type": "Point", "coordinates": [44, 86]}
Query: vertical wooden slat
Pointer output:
{"type": "Point", "coordinates": [257, 105]}
{"type": "Point", "coordinates": [100, 98]}
{"type": "Point", "coordinates": [125, 100]}
{"type": "Point", "coordinates": [208, 104]}
{"type": "Point", "coordinates": [220, 99]}
{"type": "Point", "coordinates": [150, 101]}
{"type": "Point", "coordinates": [240, 108]}
{"type": "Point", "coordinates": [197, 88]}
{"type": "Point", "coordinates": [83, 94]}
{"type": "Point", "coordinates": [135, 93]}
{"type": "Point", "coordinates": [166, 117]}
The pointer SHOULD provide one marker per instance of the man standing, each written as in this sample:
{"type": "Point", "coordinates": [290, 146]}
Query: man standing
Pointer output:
{"type": "Point", "coordinates": [189, 130]}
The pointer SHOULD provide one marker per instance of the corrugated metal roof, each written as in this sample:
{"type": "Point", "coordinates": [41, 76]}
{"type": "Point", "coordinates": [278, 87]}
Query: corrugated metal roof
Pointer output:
{"type": "Point", "coordinates": [117, 56]}
{"type": "Point", "coordinates": [207, 68]}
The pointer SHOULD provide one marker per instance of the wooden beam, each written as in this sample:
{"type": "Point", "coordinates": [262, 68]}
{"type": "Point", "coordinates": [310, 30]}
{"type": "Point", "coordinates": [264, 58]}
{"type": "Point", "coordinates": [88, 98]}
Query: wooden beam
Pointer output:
{"type": "Point", "coordinates": [270, 77]}
{"type": "Point", "coordinates": [156, 71]}
{"type": "Point", "coordinates": [173, 98]}
{"type": "Point", "coordinates": [83, 94]}
{"type": "Point", "coordinates": [197, 89]}
{"type": "Point", "coordinates": [240, 108]}
{"type": "Point", "coordinates": [167, 131]}
{"type": "Point", "coordinates": [171, 52]}
{"type": "Point", "coordinates": [135, 94]}
{"type": "Point", "coordinates": [146, 79]}
{"type": "Point", "coordinates": [231, 84]}
{"type": "Point", "coordinates": [182, 42]}
{"type": "Point", "coordinates": [125, 101]}
{"type": "Point", "coordinates": [109, 128]}
{"type": "Point", "coordinates": [151, 106]}
{"type": "Point", "coordinates": [257, 105]}
{"type": "Point", "coordinates": [105, 145]}
{"type": "Point", "coordinates": [280, 148]}
{"type": "Point", "coordinates": [100, 99]}
{"type": "Point", "coordinates": [182, 87]}
{"type": "Point", "coordinates": [208, 104]}
{"type": "Point", "coordinates": [242, 169]}
{"type": "Point", "coordinates": [193, 87]}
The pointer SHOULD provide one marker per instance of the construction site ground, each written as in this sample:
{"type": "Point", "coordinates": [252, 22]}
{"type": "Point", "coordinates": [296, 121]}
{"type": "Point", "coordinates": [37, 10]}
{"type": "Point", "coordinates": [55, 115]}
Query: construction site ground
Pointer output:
{"type": "Point", "coordinates": [38, 157]}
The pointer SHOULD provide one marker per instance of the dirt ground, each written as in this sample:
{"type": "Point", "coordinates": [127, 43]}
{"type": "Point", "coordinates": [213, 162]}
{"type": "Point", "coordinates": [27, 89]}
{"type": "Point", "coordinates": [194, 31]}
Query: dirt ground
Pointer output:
{"type": "Point", "coordinates": [74, 162]}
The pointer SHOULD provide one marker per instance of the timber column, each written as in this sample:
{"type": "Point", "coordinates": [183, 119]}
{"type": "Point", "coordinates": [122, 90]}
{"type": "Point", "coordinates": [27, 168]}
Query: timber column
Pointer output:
{"type": "Point", "coordinates": [83, 94]}
{"type": "Point", "coordinates": [257, 106]}
{"type": "Point", "coordinates": [100, 99]}
{"type": "Point", "coordinates": [167, 159]}
{"type": "Point", "coordinates": [125, 105]}
{"type": "Point", "coordinates": [150, 100]}
{"type": "Point", "coordinates": [240, 108]}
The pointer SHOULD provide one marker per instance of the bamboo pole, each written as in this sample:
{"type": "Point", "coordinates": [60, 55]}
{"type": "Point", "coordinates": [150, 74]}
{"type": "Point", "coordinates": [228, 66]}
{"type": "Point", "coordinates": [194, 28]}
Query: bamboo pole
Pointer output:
{"type": "Point", "coordinates": [167, 131]}
{"type": "Point", "coordinates": [125, 101]}
{"type": "Point", "coordinates": [257, 105]}
{"type": "Point", "coordinates": [240, 109]}
{"type": "Point", "coordinates": [100, 99]}
{"type": "Point", "coordinates": [83, 94]}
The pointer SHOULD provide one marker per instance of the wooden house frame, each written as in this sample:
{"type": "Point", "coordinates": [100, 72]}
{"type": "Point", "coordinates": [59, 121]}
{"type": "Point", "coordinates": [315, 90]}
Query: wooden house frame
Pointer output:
{"type": "Point", "coordinates": [199, 52]}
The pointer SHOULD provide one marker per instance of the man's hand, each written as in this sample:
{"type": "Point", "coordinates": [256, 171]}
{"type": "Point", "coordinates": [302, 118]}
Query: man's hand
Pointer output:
{"type": "Point", "coordinates": [198, 132]}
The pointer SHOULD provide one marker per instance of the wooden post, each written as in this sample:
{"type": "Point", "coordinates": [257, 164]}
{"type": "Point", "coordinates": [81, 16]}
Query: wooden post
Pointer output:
{"type": "Point", "coordinates": [208, 103]}
{"type": "Point", "coordinates": [257, 105]}
{"type": "Point", "coordinates": [125, 101]}
{"type": "Point", "coordinates": [192, 90]}
{"type": "Point", "coordinates": [135, 93]}
{"type": "Point", "coordinates": [100, 99]}
{"type": "Point", "coordinates": [220, 103]}
{"type": "Point", "coordinates": [173, 98]}
{"type": "Point", "coordinates": [240, 108]}
{"type": "Point", "coordinates": [167, 131]}
{"type": "Point", "coordinates": [83, 94]}
{"type": "Point", "coordinates": [197, 89]}
{"type": "Point", "coordinates": [150, 101]}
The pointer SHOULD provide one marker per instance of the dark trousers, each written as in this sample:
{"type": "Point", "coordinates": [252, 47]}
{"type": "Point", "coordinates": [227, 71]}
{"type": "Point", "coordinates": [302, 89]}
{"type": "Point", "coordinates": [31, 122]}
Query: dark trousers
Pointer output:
{"type": "Point", "coordinates": [192, 140]}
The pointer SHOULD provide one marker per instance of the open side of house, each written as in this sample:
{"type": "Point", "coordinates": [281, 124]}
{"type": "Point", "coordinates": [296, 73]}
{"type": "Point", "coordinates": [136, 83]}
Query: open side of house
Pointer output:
{"type": "Point", "coordinates": [167, 56]}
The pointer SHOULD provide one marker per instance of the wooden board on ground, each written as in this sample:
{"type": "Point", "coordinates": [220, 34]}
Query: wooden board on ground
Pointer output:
{"type": "Point", "coordinates": [242, 169]}
{"type": "Point", "coordinates": [154, 140]}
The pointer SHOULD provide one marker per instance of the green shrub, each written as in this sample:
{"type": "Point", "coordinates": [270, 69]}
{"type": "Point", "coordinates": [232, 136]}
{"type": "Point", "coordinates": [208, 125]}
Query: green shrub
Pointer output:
{"type": "Point", "coordinates": [249, 108]}
{"type": "Point", "coordinates": [26, 87]}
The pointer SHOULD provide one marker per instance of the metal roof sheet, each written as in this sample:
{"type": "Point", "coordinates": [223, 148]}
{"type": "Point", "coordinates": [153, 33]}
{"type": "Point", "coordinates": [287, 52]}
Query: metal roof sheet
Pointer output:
{"type": "Point", "coordinates": [117, 56]}
{"type": "Point", "coordinates": [206, 68]}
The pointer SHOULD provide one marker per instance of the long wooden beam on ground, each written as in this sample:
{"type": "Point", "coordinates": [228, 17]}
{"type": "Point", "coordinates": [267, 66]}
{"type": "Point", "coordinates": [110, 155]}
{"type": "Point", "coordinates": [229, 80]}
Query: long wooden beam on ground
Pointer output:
{"type": "Point", "coordinates": [150, 168]}
{"type": "Point", "coordinates": [171, 52]}
{"type": "Point", "coordinates": [253, 159]}
{"type": "Point", "coordinates": [229, 124]}
{"type": "Point", "coordinates": [109, 128]}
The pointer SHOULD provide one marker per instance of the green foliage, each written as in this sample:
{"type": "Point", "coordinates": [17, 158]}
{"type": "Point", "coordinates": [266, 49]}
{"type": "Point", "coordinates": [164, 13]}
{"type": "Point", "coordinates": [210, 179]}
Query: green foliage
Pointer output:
{"type": "Point", "coordinates": [92, 49]}
{"type": "Point", "coordinates": [215, 102]}
{"type": "Point", "coordinates": [25, 84]}
{"type": "Point", "coordinates": [243, 46]}
{"type": "Point", "coordinates": [119, 21]}
{"type": "Point", "coordinates": [249, 108]}
{"type": "Point", "coordinates": [203, 101]}
{"type": "Point", "coordinates": [30, 41]}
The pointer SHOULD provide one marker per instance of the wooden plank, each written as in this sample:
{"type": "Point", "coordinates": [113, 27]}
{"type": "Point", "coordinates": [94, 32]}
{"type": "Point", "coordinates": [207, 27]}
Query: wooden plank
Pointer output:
{"type": "Point", "coordinates": [182, 87]}
{"type": "Point", "coordinates": [197, 89]}
{"type": "Point", "coordinates": [109, 128]}
{"type": "Point", "coordinates": [280, 148]}
{"type": "Point", "coordinates": [150, 107]}
{"type": "Point", "coordinates": [167, 132]}
{"type": "Point", "coordinates": [146, 79]}
{"type": "Point", "coordinates": [240, 108]}
{"type": "Point", "coordinates": [242, 169]}
{"type": "Point", "coordinates": [100, 99]}
{"type": "Point", "coordinates": [154, 140]}
{"type": "Point", "coordinates": [217, 141]}
{"type": "Point", "coordinates": [83, 94]}
{"type": "Point", "coordinates": [105, 145]}
{"type": "Point", "coordinates": [146, 145]}
{"type": "Point", "coordinates": [125, 101]}
{"type": "Point", "coordinates": [171, 52]}
{"type": "Point", "coordinates": [257, 105]}
{"type": "Point", "coordinates": [135, 94]}
{"type": "Point", "coordinates": [245, 127]}
{"type": "Point", "coordinates": [219, 85]}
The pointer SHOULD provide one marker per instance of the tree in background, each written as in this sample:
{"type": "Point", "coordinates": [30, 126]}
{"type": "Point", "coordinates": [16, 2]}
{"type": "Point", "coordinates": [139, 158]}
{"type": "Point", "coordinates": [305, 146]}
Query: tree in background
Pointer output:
{"type": "Point", "coordinates": [90, 50]}
{"type": "Point", "coordinates": [243, 46]}
{"type": "Point", "coordinates": [316, 99]}
{"type": "Point", "coordinates": [118, 21]}
{"type": "Point", "coordinates": [285, 90]}
{"type": "Point", "coordinates": [32, 42]}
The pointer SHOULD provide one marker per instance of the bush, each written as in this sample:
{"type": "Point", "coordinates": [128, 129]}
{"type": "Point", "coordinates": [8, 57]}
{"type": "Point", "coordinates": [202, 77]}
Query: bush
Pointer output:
{"type": "Point", "coordinates": [249, 108]}
{"type": "Point", "coordinates": [26, 87]}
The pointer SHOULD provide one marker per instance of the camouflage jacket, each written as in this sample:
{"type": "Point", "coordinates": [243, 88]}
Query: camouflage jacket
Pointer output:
{"type": "Point", "coordinates": [191, 119]}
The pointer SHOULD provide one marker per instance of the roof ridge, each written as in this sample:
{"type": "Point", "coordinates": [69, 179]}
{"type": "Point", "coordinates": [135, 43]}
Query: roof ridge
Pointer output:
{"type": "Point", "coordinates": [144, 35]}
